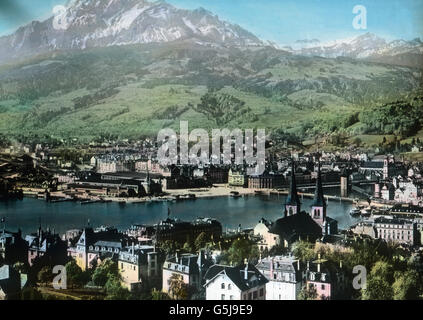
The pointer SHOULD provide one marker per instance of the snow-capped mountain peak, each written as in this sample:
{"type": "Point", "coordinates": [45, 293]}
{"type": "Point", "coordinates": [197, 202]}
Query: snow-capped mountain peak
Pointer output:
{"type": "Point", "coordinates": [100, 23]}
{"type": "Point", "coordinates": [365, 46]}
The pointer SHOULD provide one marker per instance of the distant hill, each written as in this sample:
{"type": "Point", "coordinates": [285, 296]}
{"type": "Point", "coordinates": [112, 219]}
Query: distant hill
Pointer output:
{"type": "Point", "coordinates": [128, 68]}
{"type": "Point", "coordinates": [138, 89]}
{"type": "Point", "coordinates": [367, 46]}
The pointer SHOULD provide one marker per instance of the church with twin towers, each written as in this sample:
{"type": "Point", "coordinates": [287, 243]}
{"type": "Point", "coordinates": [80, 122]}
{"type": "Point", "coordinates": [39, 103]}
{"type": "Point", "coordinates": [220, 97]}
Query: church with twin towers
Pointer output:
{"type": "Point", "coordinates": [297, 224]}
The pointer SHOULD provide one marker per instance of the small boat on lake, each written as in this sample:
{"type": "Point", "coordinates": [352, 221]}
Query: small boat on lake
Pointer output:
{"type": "Point", "coordinates": [355, 212]}
{"type": "Point", "coordinates": [366, 212]}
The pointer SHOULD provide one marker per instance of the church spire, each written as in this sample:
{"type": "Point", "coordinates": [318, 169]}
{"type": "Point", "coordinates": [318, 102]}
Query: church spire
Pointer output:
{"type": "Point", "coordinates": [318, 207]}
{"type": "Point", "coordinates": [292, 203]}
{"type": "Point", "coordinates": [319, 199]}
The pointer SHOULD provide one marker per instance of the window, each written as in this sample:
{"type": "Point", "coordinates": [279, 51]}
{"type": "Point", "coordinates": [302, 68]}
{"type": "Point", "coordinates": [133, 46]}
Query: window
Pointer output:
{"type": "Point", "coordinates": [222, 286]}
{"type": "Point", "coordinates": [229, 287]}
{"type": "Point", "coordinates": [323, 287]}
{"type": "Point", "coordinates": [255, 295]}
{"type": "Point", "coordinates": [231, 297]}
{"type": "Point", "coordinates": [261, 292]}
{"type": "Point", "coordinates": [222, 297]}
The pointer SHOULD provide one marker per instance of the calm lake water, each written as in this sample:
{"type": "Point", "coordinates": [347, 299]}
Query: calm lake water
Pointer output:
{"type": "Point", "coordinates": [231, 212]}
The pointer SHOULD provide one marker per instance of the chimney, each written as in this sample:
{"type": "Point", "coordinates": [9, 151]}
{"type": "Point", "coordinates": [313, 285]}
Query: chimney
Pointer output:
{"type": "Point", "coordinates": [318, 262]}
{"type": "Point", "coordinates": [340, 264]}
{"type": "Point", "coordinates": [298, 264]}
{"type": "Point", "coordinates": [308, 265]}
{"type": "Point", "coordinates": [246, 269]}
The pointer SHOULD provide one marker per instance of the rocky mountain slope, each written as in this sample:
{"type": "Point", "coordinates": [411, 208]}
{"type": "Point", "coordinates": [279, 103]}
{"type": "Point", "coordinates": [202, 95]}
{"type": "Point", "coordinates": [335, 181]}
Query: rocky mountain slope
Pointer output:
{"type": "Point", "coordinates": [102, 23]}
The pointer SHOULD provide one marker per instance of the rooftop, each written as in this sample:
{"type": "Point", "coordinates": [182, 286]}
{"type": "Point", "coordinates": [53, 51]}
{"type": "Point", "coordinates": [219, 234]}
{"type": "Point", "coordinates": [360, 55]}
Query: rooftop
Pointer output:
{"type": "Point", "coordinates": [237, 275]}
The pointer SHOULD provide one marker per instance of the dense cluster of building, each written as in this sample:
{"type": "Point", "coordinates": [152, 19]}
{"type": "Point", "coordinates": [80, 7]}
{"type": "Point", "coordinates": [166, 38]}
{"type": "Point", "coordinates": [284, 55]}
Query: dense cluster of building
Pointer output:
{"type": "Point", "coordinates": [139, 252]}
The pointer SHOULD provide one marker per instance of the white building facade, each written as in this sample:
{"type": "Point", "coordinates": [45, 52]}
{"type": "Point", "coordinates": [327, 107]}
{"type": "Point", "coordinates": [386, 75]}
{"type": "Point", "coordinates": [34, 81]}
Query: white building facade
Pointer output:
{"type": "Point", "coordinates": [284, 275]}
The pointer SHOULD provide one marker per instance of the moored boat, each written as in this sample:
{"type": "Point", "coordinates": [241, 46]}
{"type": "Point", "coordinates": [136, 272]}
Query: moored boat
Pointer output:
{"type": "Point", "coordinates": [355, 212]}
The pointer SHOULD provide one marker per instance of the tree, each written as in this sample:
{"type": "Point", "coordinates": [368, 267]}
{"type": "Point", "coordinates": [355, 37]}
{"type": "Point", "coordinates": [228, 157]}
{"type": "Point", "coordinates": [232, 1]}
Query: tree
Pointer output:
{"type": "Point", "coordinates": [378, 285]}
{"type": "Point", "coordinates": [406, 286]}
{"type": "Point", "coordinates": [114, 289]}
{"type": "Point", "coordinates": [383, 270]}
{"type": "Point", "coordinates": [169, 246]}
{"type": "Point", "coordinates": [201, 241]}
{"type": "Point", "coordinates": [159, 295]}
{"type": "Point", "coordinates": [357, 141]}
{"type": "Point", "coordinates": [45, 275]}
{"type": "Point", "coordinates": [308, 293]}
{"type": "Point", "coordinates": [30, 293]}
{"type": "Point", "coordinates": [104, 271]}
{"type": "Point", "coordinates": [221, 107]}
{"type": "Point", "coordinates": [20, 267]}
{"type": "Point", "coordinates": [189, 245]}
{"type": "Point", "coordinates": [377, 289]}
{"type": "Point", "coordinates": [178, 290]}
{"type": "Point", "coordinates": [241, 249]}
{"type": "Point", "coordinates": [276, 250]}
{"type": "Point", "coordinates": [303, 250]}
{"type": "Point", "coordinates": [74, 274]}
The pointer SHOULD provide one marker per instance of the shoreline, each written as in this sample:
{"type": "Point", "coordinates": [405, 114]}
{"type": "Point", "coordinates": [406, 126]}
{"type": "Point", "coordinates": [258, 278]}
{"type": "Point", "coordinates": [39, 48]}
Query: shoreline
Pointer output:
{"type": "Point", "coordinates": [219, 190]}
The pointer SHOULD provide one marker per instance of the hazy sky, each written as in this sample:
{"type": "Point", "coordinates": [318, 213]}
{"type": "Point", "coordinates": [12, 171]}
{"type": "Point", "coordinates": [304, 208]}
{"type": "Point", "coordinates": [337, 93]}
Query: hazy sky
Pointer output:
{"type": "Point", "coordinates": [282, 21]}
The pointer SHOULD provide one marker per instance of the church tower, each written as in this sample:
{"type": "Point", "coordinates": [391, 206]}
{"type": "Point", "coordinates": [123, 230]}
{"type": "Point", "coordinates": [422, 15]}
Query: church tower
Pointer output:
{"type": "Point", "coordinates": [385, 168]}
{"type": "Point", "coordinates": [318, 207]}
{"type": "Point", "coordinates": [292, 202]}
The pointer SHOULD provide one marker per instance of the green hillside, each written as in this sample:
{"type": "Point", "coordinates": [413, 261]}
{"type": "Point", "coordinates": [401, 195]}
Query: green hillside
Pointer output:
{"type": "Point", "coordinates": [134, 91]}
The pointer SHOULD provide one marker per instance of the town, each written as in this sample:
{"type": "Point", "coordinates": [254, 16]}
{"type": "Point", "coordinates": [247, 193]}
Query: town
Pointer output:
{"type": "Point", "coordinates": [302, 255]}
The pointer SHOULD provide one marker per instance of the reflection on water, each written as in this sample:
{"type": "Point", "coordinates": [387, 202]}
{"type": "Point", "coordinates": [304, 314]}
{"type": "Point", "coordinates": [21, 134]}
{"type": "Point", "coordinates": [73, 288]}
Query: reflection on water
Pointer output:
{"type": "Point", "coordinates": [231, 212]}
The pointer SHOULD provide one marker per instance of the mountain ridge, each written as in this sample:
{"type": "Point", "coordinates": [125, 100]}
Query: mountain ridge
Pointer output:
{"type": "Point", "coordinates": [366, 46]}
{"type": "Point", "coordinates": [102, 23]}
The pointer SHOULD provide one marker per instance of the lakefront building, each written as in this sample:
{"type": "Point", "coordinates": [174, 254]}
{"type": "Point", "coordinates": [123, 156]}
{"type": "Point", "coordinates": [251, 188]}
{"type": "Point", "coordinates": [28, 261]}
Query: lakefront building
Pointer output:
{"type": "Point", "coordinates": [396, 230]}
{"type": "Point", "coordinates": [236, 178]}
